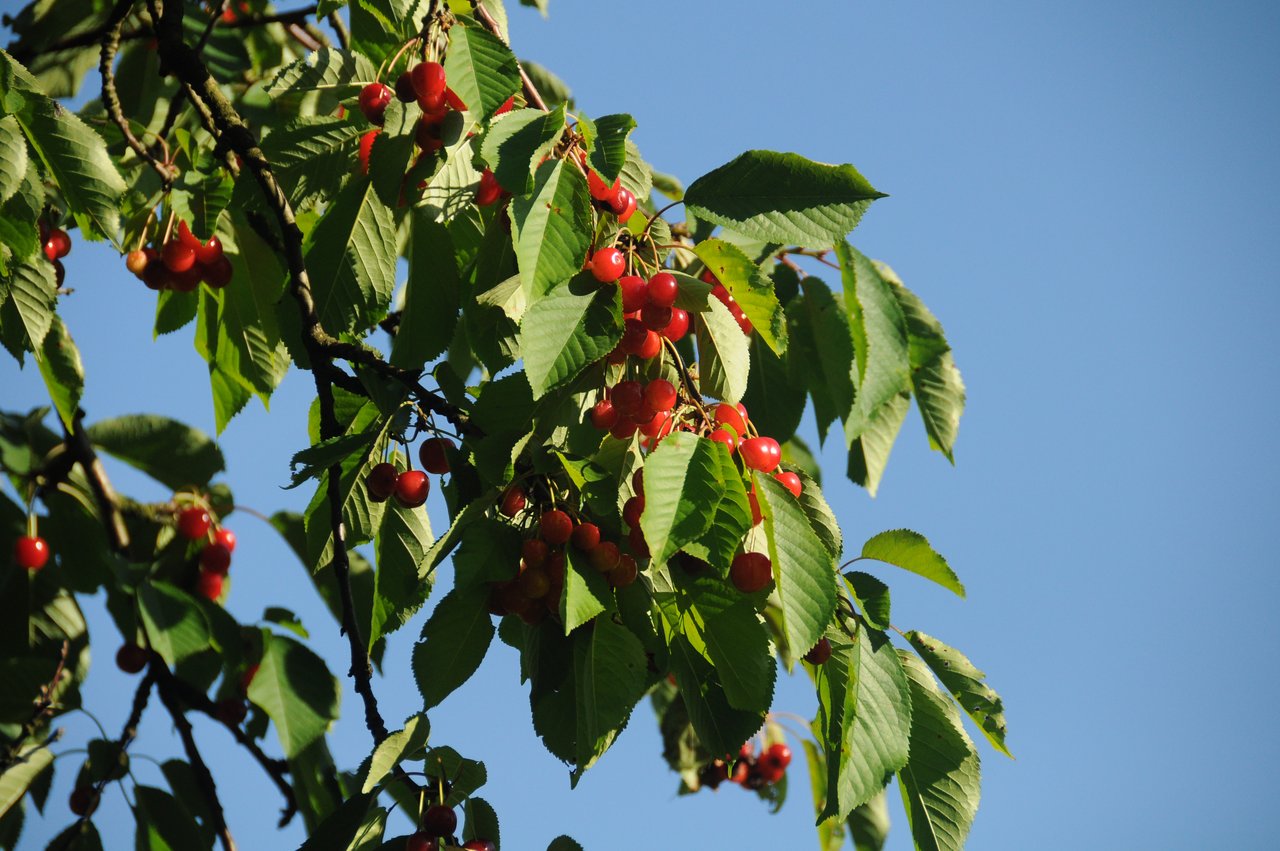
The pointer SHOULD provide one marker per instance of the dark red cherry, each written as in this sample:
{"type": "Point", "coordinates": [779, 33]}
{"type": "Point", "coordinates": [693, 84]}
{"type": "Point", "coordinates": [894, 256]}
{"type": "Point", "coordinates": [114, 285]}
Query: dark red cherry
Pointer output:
{"type": "Point", "coordinates": [586, 536]}
{"type": "Point", "coordinates": [215, 558]}
{"type": "Point", "coordinates": [678, 326]}
{"type": "Point", "coordinates": [660, 394]}
{"type": "Point", "coordinates": [791, 482]}
{"type": "Point", "coordinates": [603, 414]}
{"type": "Point", "coordinates": [555, 527]}
{"type": "Point", "coordinates": [131, 658]}
{"type": "Point", "coordinates": [819, 653]}
{"type": "Point", "coordinates": [663, 288]}
{"type": "Point", "coordinates": [750, 572]}
{"type": "Point", "coordinates": [434, 455]}
{"type": "Point", "coordinates": [513, 501]}
{"type": "Point", "coordinates": [194, 523]}
{"type": "Point", "coordinates": [382, 481]}
{"type": "Point", "coordinates": [373, 102]}
{"type": "Point", "coordinates": [439, 820]}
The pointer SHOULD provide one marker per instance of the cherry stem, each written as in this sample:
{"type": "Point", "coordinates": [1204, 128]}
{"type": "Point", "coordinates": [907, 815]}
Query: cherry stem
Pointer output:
{"type": "Point", "coordinates": [656, 214]}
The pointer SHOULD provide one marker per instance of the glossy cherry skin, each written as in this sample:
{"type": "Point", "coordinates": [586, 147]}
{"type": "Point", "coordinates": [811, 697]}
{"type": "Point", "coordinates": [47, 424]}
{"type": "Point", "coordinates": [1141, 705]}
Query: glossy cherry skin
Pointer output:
{"type": "Point", "coordinates": [605, 557]}
{"type": "Point", "coordinates": [663, 288]}
{"type": "Point", "coordinates": [761, 453]}
{"type": "Point", "coordinates": [187, 238]}
{"type": "Point", "coordinates": [627, 397]}
{"type": "Point", "coordinates": [177, 256]}
{"type": "Point", "coordinates": [607, 265]}
{"type": "Point", "coordinates": [623, 204]}
{"type": "Point", "coordinates": [660, 394]}
{"type": "Point", "coordinates": [439, 820]}
{"type": "Point", "coordinates": [819, 653]}
{"type": "Point", "coordinates": [480, 845]}
{"type": "Point", "coordinates": [412, 487]}
{"type": "Point", "coordinates": [631, 511]}
{"type": "Point", "coordinates": [634, 293]}
{"type": "Point", "coordinates": [586, 536]}
{"type": "Point", "coordinates": [600, 190]}
{"type": "Point", "coordinates": [555, 527]}
{"type": "Point", "coordinates": [725, 436]}
{"type": "Point", "coordinates": [678, 326]}
{"type": "Point", "coordinates": [429, 83]}
{"type": "Point", "coordinates": [30, 553]}
{"type": "Point", "coordinates": [209, 585]}
{"type": "Point", "coordinates": [373, 102]}
{"type": "Point", "coordinates": [489, 191]}
{"type": "Point", "coordinates": [655, 317]}
{"type": "Point", "coordinates": [57, 244]}
{"type": "Point", "coordinates": [791, 482]}
{"type": "Point", "coordinates": [131, 658]}
{"type": "Point", "coordinates": [218, 273]}
{"type": "Point", "coordinates": [603, 414]}
{"type": "Point", "coordinates": [507, 106]}
{"type": "Point", "coordinates": [750, 572]}
{"type": "Point", "coordinates": [779, 754]}
{"type": "Point", "coordinates": [421, 842]}
{"type": "Point", "coordinates": [226, 538]}
{"type": "Point", "coordinates": [624, 429]}
{"type": "Point", "coordinates": [434, 455]}
{"type": "Point", "coordinates": [513, 501]}
{"type": "Point", "coordinates": [215, 558]}
{"type": "Point", "coordinates": [194, 523]}
{"type": "Point", "coordinates": [210, 252]}
{"type": "Point", "coordinates": [382, 481]}
{"type": "Point", "coordinates": [650, 347]}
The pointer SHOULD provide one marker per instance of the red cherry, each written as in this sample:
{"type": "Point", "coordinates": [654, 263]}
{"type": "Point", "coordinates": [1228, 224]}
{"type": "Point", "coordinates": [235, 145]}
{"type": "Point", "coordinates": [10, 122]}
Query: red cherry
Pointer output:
{"type": "Point", "coordinates": [778, 754]}
{"type": "Point", "coordinates": [741, 772]}
{"type": "Point", "coordinates": [663, 289]}
{"type": "Point", "coordinates": [555, 527]}
{"type": "Point", "coordinates": [218, 273]}
{"type": "Point", "coordinates": [535, 583]}
{"type": "Point", "coordinates": [30, 553]}
{"type": "Point", "coordinates": [623, 429]}
{"type": "Point", "coordinates": [489, 190]}
{"type": "Point", "coordinates": [534, 552]}
{"type": "Point", "coordinates": [638, 545]}
{"type": "Point", "coordinates": [723, 435]}
{"type": "Point", "coordinates": [382, 481]}
{"type": "Point", "coordinates": [209, 585]}
{"type": "Point", "coordinates": [412, 487]}
{"type": "Point", "coordinates": [57, 245]}
{"type": "Point", "coordinates": [513, 501]}
{"type": "Point", "coordinates": [453, 101]}
{"type": "Point", "coordinates": [366, 148]}
{"type": "Point", "coordinates": [373, 102]}
{"type": "Point", "coordinates": [819, 653]}
{"type": "Point", "coordinates": [643, 414]}
{"type": "Point", "coordinates": [600, 190]}
{"type": "Point", "coordinates": [226, 538]}
{"type": "Point", "coordinates": [660, 394]}
{"type": "Point", "coordinates": [506, 106]}
{"type": "Point", "coordinates": [480, 845]}
{"type": "Point", "coordinates": [634, 293]}
{"type": "Point", "coordinates": [631, 511]}
{"type": "Point", "coordinates": [187, 238]}
{"type": "Point", "coordinates": [586, 536]}
{"type": "Point", "coordinates": [421, 842]}
{"type": "Point", "coordinates": [608, 264]}
{"type": "Point", "coordinates": [434, 455]}
{"type": "Point", "coordinates": [439, 820]}
{"type": "Point", "coordinates": [247, 678]}
{"type": "Point", "coordinates": [770, 772]}
{"type": "Point", "coordinates": [761, 453]}
{"type": "Point", "coordinates": [216, 558]}
{"type": "Point", "coordinates": [555, 567]}
{"type": "Point", "coordinates": [625, 573]}
{"type": "Point", "coordinates": [131, 658]}
{"type": "Point", "coordinates": [194, 523]}
{"type": "Point", "coordinates": [603, 415]}
{"type": "Point", "coordinates": [634, 336]}
{"type": "Point", "coordinates": [185, 282]}
{"type": "Point", "coordinates": [59, 273]}
{"type": "Point", "coordinates": [750, 572]}
{"type": "Point", "coordinates": [657, 425]}
{"type": "Point", "coordinates": [627, 397]}
{"type": "Point", "coordinates": [756, 516]}
{"type": "Point", "coordinates": [156, 276]}
{"type": "Point", "coordinates": [429, 82]}
{"type": "Point", "coordinates": [791, 482]}
{"type": "Point", "coordinates": [623, 204]}
{"type": "Point", "coordinates": [231, 711]}
{"type": "Point", "coordinates": [637, 481]}
{"type": "Point", "coordinates": [650, 347]}
{"type": "Point", "coordinates": [678, 326]}
{"type": "Point", "coordinates": [210, 252]}
{"type": "Point", "coordinates": [427, 135]}
{"type": "Point", "coordinates": [136, 262]}
{"type": "Point", "coordinates": [405, 92]}
{"type": "Point", "coordinates": [177, 256]}
{"type": "Point", "coordinates": [728, 415]}
{"type": "Point", "coordinates": [655, 317]}
{"type": "Point", "coordinates": [604, 557]}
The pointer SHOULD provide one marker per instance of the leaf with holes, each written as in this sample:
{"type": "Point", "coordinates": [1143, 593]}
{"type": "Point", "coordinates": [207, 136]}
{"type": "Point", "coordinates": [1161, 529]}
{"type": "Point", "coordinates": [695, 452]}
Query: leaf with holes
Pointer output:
{"type": "Point", "coordinates": [967, 684]}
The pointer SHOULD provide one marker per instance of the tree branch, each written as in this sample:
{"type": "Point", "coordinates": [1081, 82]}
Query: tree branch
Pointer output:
{"type": "Point", "coordinates": [203, 777]}
{"type": "Point", "coordinates": [44, 705]}
{"type": "Point", "coordinates": [81, 450]}
{"type": "Point", "coordinates": [111, 99]}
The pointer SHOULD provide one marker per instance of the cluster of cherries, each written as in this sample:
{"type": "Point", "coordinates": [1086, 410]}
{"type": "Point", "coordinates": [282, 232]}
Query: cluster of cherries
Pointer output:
{"type": "Point", "coordinates": [56, 244]}
{"type": "Point", "coordinates": [181, 263]}
{"type": "Point", "coordinates": [536, 588]}
{"type": "Point", "coordinates": [410, 487]}
{"type": "Point", "coordinates": [751, 770]}
{"type": "Point", "coordinates": [438, 823]}
{"type": "Point", "coordinates": [614, 197]}
{"type": "Point", "coordinates": [195, 523]}
{"type": "Point", "coordinates": [648, 307]}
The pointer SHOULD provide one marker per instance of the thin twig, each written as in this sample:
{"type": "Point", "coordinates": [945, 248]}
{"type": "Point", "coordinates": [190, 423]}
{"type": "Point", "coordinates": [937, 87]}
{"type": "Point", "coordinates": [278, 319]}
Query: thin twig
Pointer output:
{"type": "Point", "coordinates": [81, 450]}
{"type": "Point", "coordinates": [340, 30]}
{"type": "Point", "coordinates": [111, 99]}
{"type": "Point", "coordinates": [43, 708]}
{"type": "Point", "coordinates": [204, 778]}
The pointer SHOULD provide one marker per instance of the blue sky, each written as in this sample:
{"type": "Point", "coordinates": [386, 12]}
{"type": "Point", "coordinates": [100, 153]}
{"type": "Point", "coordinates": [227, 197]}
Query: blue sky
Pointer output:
{"type": "Point", "coordinates": [1084, 194]}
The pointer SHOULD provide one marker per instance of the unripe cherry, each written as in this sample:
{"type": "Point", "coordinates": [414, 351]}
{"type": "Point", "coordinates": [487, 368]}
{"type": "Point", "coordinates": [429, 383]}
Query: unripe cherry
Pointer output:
{"type": "Point", "coordinates": [412, 487]}
{"type": "Point", "coordinates": [607, 265]}
{"type": "Point", "coordinates": [678, 326]}
{"type": "Point", "coordinates": [555, 527]}
{"type": "Point", "coordinates": [586, 536]}
{"type": "Point", "coordinates": [382, 481]}
{"type": "Point", "coordinates": [136, 262]}
{"type": "Point", "coordinates": [791, 482]}
{"type": "Point", "coordinates": [663, 288]}
{"type": "Point", "coordinates": [433, 453]}
{"type": "Point", "coordinates": [634, 293]}
{"type": "Point", "coordinates": [761, 453]}
{"type": "Point", "coordinates": [513, 501]}
{"type": "Point", "coordinates": [194, 523]}
{"type": "Point", "coordinates": [660, 394]}
{"type": "Point", "coordinates": [215, 558]}
{"type": "Point", "coordinates": [603, 414]}
{"type": "Point", "coordinates": [30, 553]}
{"type": "Point", "coordinates": [750, 572]}
{"type": "Point", "coordinates": [373, 102]}
{"type": "Point", "coordinates": [209, 585]}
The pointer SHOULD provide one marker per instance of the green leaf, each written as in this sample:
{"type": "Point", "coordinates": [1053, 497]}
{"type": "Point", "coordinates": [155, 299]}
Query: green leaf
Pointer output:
{"type": "Point", "coordinates": [803, 569]}
{"type": "Point", "coordinates": [173, 311]}
{"type": "Point", "coordinates": [552, 227]}
{"type": "Point", "coordinates": [80, 836]}
{"type": "Point", "coordinates": [941, 784]}
{"type": "Point", "coordinates": [830, 831]}
{"type": "Point", "coordinates": [607, 143]}
{"type": "Point", "coordinates": [724, 355]}
{"type": "Point", "coordinates": [394, 748]}
{"type": "Point", "coordinates": [564, 843]}
{"type": "Point", "coordinates": [464, 775]}
{"type": "Point", "coordinates": [13, 157]}
{"type": "Point", "coordinates": [294, 687]}
{"type": "Point", "coordinates": [454, 642]}
{"type": "Point", "coordinates": [864, 717]}
{"type": "Point", "coordinates": [342, 830]}
{"type": "Point", "coordinates": [18, 777]}
{"type": "Point", "coordinates": [566, 331]}
{"type": "Point", "coordinates": [822, 342]}
{"type": "Point", "coordinates": [168, 451]}
{"type": "Point", "coordinates": [938, 387]}
{"type": "Point", "coordinates": [967, 683]}
{"type": "Point", "coordinates": [481, 821]}
{"type": "Point", "coordinates": [310, 157]}
{"type": "Point", "coordinates": [176, 627]}
{"type": "Point", "coordinates": [820, 515]}
{"type": "Point", "coordinates": [352, 259]}
{"type": "Point", "coordinates": [737, 644]}
{"type": "Point", "coordinates": [199, 199]}
{"type": "Point", "coordinates": [164, 823]}
{"type": "Point", "coordinates": [869, 453]}
{"type": "Point", "coordinates": [872, 597]}
{"type": "Point", "coordinates": [912, 551]}
{"type": "Point", "coordinates": [431, 295]}
{"type": "Point", "coordinates": [28, 299]}
{"type": "Point", "coordinates": [73, 154]}
{"type": "Point", "coordinates": [586, 592]}
{"type": "Point", "coordinates": [401, 584]}
{"type": "Point", "coordinates": [312, 462]}
{"type": "Point", "coordinates": [610, 677]}
{"type": "Point", "coordinates": [337, 75]}
{"type": "Point", "coordinates": [751, 289]}
{"type": "Point", "coordinates": [516, 143]}
{"type": "Point", "coordinates": [682, 485]}
{"type": "Point", "coordinates": [481, 70]}
{"type": "Point", "coordinates": [783, 198]}
{"type": "Point", "coordinates": [879, 332]}
{"type": "Point", "coordinates": [18, 216]}
{"type": "Point", "coordinates": [775, 389]}
{"type": "Point", "coordinates": [869, 824]}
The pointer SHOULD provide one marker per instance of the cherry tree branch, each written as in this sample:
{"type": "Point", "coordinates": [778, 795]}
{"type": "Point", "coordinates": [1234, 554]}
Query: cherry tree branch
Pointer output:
{"type": "Point", "coordinates": [204, 778]}
{"type": "Point", "coordinates": [43, 707]}
{"type": "Point", "coordinates": [111, 99]}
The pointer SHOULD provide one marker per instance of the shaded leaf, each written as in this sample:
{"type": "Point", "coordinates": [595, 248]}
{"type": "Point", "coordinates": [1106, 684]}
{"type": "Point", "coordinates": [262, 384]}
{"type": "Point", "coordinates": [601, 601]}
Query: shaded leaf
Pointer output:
{"type": "Point", "coordinates": [294, 687]}
{"type": "Point", "coordinates": [168, 451]}
{"type": "Point", "coordinates": [911, 551]}
{"type": "Point", "coordinates": [454, 642]}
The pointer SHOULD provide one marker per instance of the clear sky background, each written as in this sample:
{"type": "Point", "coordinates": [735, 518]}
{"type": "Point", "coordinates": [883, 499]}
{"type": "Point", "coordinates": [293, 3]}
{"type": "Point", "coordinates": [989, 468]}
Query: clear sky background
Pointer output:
{"type": "Point", "coordinates": [1085, 194]}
